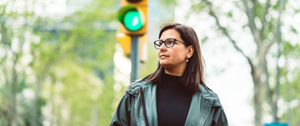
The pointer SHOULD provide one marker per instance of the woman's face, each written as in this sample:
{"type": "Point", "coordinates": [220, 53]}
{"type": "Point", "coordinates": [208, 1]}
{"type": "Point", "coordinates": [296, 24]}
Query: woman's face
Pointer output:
{"type": "Point", "coordinates": [173, 57]}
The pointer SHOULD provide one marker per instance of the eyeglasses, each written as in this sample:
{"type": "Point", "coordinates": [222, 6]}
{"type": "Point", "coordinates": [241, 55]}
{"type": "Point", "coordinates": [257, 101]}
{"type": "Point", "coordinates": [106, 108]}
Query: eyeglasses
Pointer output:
{"type": "Point", "coordinates": [168, 43]}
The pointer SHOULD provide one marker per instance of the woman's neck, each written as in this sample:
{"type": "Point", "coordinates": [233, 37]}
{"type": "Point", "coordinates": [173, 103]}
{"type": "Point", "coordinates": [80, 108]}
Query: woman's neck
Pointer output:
{"type": "Point", "coordinates": [175, 70]}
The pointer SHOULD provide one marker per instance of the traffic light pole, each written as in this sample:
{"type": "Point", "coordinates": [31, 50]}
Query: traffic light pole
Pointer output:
{"type": "Point", "coordinates": [134, 57]}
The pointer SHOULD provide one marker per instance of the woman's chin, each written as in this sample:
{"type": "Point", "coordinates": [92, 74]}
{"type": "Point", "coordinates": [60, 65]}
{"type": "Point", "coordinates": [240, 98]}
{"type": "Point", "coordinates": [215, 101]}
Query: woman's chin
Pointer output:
{"type": "Point", "coordinates": [164, 64]}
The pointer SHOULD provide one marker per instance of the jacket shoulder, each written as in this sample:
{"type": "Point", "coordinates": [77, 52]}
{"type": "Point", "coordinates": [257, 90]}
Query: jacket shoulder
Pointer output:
{"type": "Point", "coordinates": [133, 88]}
{"type": "Point", "coordinates": [208, 93]}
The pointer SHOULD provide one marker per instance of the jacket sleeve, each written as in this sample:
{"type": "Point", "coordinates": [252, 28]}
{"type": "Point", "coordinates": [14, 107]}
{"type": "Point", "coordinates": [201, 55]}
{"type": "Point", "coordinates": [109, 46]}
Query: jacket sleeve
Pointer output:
{"type": "Point", "coordinates": [122, 114]}
{"type": "Point", "coordinates": [219, 117]}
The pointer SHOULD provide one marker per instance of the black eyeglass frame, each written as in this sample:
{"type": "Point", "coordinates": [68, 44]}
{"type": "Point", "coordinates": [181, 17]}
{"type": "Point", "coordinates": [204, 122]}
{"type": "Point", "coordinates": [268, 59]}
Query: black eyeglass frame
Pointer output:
{"type": "Point", "coordinates": [174, 40]}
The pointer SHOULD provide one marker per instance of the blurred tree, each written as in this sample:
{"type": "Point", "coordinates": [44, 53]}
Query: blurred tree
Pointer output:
{"type": "Point", "coordinates": [64, 66]}
{"type": "Point", "coordinates": [88, 45]}
{"type": "Point", "coordinates": [264, 24]}
{"type": "Point", "coordinates": [259, 71]}
{"type": "Point", "coordinates": [14, 59]}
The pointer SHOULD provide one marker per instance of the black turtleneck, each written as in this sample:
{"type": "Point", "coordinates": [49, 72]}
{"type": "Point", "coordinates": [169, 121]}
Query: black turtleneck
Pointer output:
{"type": "Point", "coordinates": [173, 102]}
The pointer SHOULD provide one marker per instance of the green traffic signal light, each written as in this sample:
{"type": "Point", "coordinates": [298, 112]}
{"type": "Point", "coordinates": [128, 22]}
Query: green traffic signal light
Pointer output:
{"type": "Point", "coordinates": [132, 20]}
{"type": "Point", "coordinates": [133, 17]}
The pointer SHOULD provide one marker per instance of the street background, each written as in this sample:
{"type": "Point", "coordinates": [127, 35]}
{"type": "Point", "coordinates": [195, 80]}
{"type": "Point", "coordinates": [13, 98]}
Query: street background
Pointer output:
{"type": "Point", "coordinates": [62, 65]}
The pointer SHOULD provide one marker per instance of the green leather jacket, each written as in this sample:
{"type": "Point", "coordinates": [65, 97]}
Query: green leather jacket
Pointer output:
{"type": "Point", "coordinates": [138, 107]}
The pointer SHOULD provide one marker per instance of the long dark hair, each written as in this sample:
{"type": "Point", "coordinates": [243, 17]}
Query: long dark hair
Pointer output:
{"type": "Point", "coordinates": [194, 71]}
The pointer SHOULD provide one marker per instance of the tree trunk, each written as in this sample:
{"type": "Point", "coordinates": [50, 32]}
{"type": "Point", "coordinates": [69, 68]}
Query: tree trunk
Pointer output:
{"type": "Point", "coordinates": [13, 92]}
{"type": "Point", "coordinates": [257, 99]}
{"type": "Point", "coordinates": [260, 78]}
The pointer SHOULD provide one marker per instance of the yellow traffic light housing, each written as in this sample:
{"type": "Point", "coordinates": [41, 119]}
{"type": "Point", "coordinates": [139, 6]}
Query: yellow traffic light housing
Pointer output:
{"type": "Point", "coordinates": [125, 41]}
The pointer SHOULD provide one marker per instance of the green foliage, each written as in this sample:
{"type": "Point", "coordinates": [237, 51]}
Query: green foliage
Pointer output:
{"type": "Point", "coordinates": [297, 11]}
{"type": "Point", "coordinates": [290, 87]}
{"type": "Point", "coordinates": [89, 50]}
{"type": "Point", "coordinates": [229, 14]}
{"type": "Point", "coordinates": [294, 30]}
{"type": "Point", "coordinates": [204, 40]}
{"type": "Point", "coordinates": [167, 3]}
{"type": "Point", "coordinates": [197, 7]}
{"type": "Point", "coordinates": [71, 70]}
{"type": "Point", "coordinates": [259, 10]}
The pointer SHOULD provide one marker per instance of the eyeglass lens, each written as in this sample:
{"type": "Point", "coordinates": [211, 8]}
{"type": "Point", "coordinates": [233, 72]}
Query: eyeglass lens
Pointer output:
{"type": "Point", "coordinates": [168, 43]}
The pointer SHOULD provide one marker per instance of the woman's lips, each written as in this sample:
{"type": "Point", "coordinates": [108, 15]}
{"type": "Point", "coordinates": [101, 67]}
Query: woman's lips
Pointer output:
{"type": "Point", "coordinates": [163, 56]}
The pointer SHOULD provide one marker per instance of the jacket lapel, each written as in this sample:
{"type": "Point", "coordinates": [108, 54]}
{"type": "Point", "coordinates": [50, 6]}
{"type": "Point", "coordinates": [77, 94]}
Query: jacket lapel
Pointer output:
{"type": "Point", "coordinates": [150, 104]}
{"type": "Point", "coordinates": [198, 114]}
{"type": "Point", "coordinates": [193, 118]}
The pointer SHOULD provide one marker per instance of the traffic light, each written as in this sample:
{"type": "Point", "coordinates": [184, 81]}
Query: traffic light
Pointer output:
{"type": "Point", "coordinates": [125, 41]}
{"type": "Point", "coordinates": [133, 17]}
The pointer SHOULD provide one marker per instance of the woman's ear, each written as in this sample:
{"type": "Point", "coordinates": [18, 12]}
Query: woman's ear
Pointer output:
{"type": "Point", "coordinates": [190, 51]}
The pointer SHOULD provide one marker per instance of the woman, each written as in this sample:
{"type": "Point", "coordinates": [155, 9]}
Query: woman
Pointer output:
{"type": "Point", "coordinates": [175, 94]}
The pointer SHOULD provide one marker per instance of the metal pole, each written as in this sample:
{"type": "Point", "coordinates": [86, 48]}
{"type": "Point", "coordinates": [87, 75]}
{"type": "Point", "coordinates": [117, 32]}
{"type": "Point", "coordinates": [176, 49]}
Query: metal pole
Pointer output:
{"type": "Point", "coordinates": [134, 57]}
